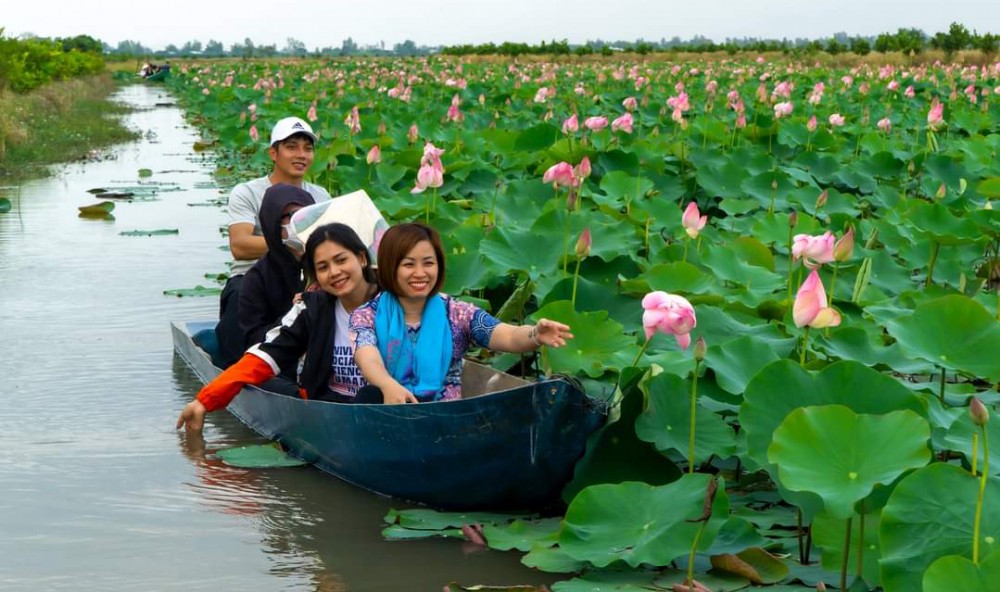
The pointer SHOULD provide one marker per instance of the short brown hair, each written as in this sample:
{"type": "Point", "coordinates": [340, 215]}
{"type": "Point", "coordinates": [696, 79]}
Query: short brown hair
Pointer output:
{"type": "Point", "coordinates": [396, 244]}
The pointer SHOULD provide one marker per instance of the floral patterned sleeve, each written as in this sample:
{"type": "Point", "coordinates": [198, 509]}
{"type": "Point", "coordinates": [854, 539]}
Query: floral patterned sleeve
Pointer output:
{"type": "Point", "coordinates": [471, 324]}
{"type": "Point", "coordinates": [363, 325]}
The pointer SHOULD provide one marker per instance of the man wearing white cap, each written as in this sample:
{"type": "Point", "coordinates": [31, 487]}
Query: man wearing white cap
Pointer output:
{"type": "Point", "coordinates": [291, 151]}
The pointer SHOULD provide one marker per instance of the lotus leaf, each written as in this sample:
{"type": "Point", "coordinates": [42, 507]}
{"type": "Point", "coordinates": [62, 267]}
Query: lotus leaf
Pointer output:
{"type": "Point", "coordinates": [930, 515]}
{"type": "Point", "coordinates": [828, 535]}
{"type": "Point", "coordinates": [954, 572]}
{"type": "Point", "coordinates": [194, 292]}
{"type": "Point", "coordinates": [552, 559]}
{"type": "Point", "coordinates": [666, 421]}
{"type": "Point", "coordinates": [609, 581]}
{"type": "Point", "coordinates": [640, 523]}
{"type": "Point", "coordinates": [954, 332]}
{"type": "Point", "coordinates": [737, 361]}
{"type": "Point", "coordinates": [840, 455]}
{"type": "Point", "coordinates": [424, 519]}
{"type": "Point", "coordinates": [597, 341]}
{"type": "Point", "coordinates": [754, 564]}
{"type": "Point", "coordinates": [5, 205]}
{"type": "Point", "coordinates": [260, 456]}
{"type": "Point", "coordinates": [522, 535]}
{"type": "Point", "coordinates": [714, 581]}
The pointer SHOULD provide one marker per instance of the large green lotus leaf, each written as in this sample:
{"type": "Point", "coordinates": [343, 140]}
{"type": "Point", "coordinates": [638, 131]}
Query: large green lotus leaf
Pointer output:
{"type": "Point", "coordinates": [958, 438]}
{"type": "Point", "coordinates": [753, 252]}
{"type": "Point", "coordinates": [396, 532]}
{"type": "Point", "coordinates": [821, 166]}
{"type": "Point", "coordinates": [465, 271]}
{"type": "Point", "coordinates": [768, 187]}
{"type": "Point", "coordinates": [880, 164]}
{"type": "Point", "coordinates": [522, 535]}
{"type": "Point", "coordinates": [855, 179]}
{"type": "Point", "coordinates": [735, 362]}
{"type": "Point", "coordinates": [677, 277]}
{"type": "Point", "coordinates": [509, 250]}
{"type": "Point", "coordinates": [930, 515]}
{"type": "Point", "coordinates": [640, 523]}
{"type": "Point", "coordinates": [855, 343]}
{"type": "Point", "coordinates": [621, 187]}
{"type": "Point", "coordinates": [719, 325]}
{"type": "Point", "coordinates": [941, 225]}
{"type": "Point", "coordinates": [945, 169]}
{"type": "Point", "coordinates": [828, 536]}
{"type": "Point", "coordinates": [592, 296]}
{"type": "Point", "coordinates": [783, 386]}
{"type": "Point", "coordinates": [548, 558]}
{"type": "Point", "coordinates": [598, 342]}
{"type": "Point", "coordinates": [536, 138]}
{"type": "Point", "coordinates": [841, 455]}
{"type": "Point", "coordinates": [666, 421]}
{"type": "Point", "coordinates": [954, 332]}
{"type": "Point", "coordinates": [728, 267]}
{"type": "Point", "coordinates": [609, 581]}
{"type": "Point", "coordinates": [954, 572]}
{"type": "Point", "coordinates": [722, 181]}
{"type": "Point", "coordinates": [989, 188]}
{"type": "Point", "coordinates": [425, 519]}
{"type": "Point", "coordinates": [618, 160]}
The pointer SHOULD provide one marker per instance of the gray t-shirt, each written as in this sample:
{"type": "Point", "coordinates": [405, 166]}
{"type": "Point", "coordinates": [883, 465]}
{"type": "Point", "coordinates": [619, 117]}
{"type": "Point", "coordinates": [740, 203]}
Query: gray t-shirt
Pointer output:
{"type": "Point", "coordinates": [244, 205]}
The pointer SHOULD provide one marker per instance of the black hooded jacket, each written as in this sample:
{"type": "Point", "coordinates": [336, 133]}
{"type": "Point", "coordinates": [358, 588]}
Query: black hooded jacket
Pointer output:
{"type": "Point", "coordinates": [270, 285]}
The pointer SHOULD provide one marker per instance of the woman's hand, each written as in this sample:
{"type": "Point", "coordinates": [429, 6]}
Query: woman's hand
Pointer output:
{"type": "Point", "coordinates": [551, 333]}
{"type": "Point", "coordinates": [395, 393]}
{"type": "Point", "coordinates": [192, 417]}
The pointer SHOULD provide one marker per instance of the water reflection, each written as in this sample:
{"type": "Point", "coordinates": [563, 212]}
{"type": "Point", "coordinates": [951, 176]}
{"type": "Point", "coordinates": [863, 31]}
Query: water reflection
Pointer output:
{"type": "Point", "coordinates": [314, 521]}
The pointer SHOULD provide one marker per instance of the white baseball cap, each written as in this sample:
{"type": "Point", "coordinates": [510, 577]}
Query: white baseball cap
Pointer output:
{"type": "Point", "coordinates": [290, 126]}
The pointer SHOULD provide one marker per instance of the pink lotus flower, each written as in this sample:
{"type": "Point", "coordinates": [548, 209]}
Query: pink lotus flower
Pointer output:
{"type": "Point", "coordinates": [811, 124]}
{"type": "Point", "coordinates": [893, 86]}
{"type": "Point", "coordinates": [909, 92]}
{"type": "Point", "coordinates": [428, 176]}
{"type": "Point", "coordinates": [560, 175]}
{"type": "Point", "coordinates": [254, 134]}
{"type": "Point", "coordinates": [583, 244]}
{"type": "Point", "coordinates": [810, 307]}
{"type": "Point", "coordinates": [454, 114]}
{"type": "Point", "coordinates": [353, 121]}
{"type": "Point", "coordinates": [630, 104]}
{"type": "Point", "coordinates": [571, 125]}
{"type": "Point", "coordinates": [252, 107]}
{"type": "Point", "coordinates": [670, 314]}
{"type": "Point", "coordinates": [783, 109]}
{"type": "Point", "coordinates": [813, 250]}
{"type": "Point", "coordinates": [432, 156]}
{"type": "Point", "coordinates": [595, 124]}
{"type": "Point", "coordinates": [542, 95]}
{"type": "Point", "coordinates": [582, 170]}
{"type": "Point", "coordinates": [311, 115]}
{"type": "Point", "coordinates": [412, 134]}
{"type": "Point", "coordinates": [692, 220]}
{"type": "Point", "coordinates": [623, 123]}
{"type": "Point", "coordinates": [935, 116]}
{"type": "Point", "coordinates": [374, 155]}
{"type": "Point", "coordinates": [836, 120]}
{"type": "Point", "coordinates": [884, 124]}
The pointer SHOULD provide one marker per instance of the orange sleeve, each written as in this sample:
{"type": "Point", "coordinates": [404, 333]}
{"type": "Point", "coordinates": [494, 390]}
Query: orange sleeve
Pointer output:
{"type": "Point", "coordinates": [249, 370]}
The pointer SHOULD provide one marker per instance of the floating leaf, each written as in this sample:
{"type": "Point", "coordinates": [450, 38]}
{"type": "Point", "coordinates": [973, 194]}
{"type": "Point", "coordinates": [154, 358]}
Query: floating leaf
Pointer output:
{"type": "Point", "coordinates": [98, 209]}
{"type": "Point", "coordinates": [840, 455]}
{"type": "Point", "coordinates": [145, 173]}
{"type": "Point", "coordinates": [522, 535]}
{"type": "Point", "coordinates": [194, 292]}
{"type": "Point", "coordinates": [609, 581]}
{"type": "Point", "coordinates": [396, 532]}
{"type": "Point", "coordinates": [551, 559]}
{"type": "Point", "coordinates": [639, 523]}
{"type": "Point", "coordinates": [596, 340]}
{"type": "Point", "coordinates": [714, 581]}
{"type": "Point", "coordinates": [754, 564]}
{"type": "Point", "coordinates": [159, 232]}
{"type": "Point", "coordinates": [5, 205]}
{"type": "Point", "coordinates": [258, 456]}
{"type": "Point", "coordinates": [423, 519]}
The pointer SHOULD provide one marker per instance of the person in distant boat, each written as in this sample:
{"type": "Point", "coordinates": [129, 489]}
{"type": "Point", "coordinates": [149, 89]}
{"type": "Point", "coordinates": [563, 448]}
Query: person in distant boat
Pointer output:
{"type": "Point", "coordinates": [316, 327]}
{"type": "Point", "coordinates": [410, 340]}
{"type": "Point", "coordinates": [146, 70]}
{"type": "Point", "coordinates": [291, 151]}
{"type": "Point", "coordinates": [274, 280]}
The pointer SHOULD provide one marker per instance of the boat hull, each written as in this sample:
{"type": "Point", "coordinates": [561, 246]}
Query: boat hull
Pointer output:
{"type": "Point", "coordinates": [507, 450]}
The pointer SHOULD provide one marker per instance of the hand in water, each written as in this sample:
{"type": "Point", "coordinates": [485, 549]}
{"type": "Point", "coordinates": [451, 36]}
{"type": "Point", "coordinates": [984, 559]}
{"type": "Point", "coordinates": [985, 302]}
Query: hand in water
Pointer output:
{"type": "Point", "coordinates": [192, 417]}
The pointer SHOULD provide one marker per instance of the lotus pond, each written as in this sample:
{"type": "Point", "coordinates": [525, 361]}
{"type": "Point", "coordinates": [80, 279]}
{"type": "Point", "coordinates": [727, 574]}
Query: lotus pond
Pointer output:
{"type": "Point", "coordinates": [810, 436]}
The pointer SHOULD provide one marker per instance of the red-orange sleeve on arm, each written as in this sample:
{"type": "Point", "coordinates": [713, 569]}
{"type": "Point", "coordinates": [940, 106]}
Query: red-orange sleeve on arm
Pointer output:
{"type": "Point", "coordinates": [249, 370]}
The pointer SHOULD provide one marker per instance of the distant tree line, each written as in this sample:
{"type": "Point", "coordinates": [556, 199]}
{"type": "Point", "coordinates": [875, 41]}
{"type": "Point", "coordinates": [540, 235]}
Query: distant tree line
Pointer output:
{"type": "Point", "coordinates": [26, 64]}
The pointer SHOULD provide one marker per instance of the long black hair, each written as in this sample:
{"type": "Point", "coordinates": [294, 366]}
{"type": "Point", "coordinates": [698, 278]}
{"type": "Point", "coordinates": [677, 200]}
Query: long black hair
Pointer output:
{"type": "Point", "coordinates": [343, 235]}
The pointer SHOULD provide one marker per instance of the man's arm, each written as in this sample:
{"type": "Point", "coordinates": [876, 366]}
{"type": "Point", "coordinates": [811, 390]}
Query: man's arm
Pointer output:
{"type": "Point", "coordinates": [243, 244]}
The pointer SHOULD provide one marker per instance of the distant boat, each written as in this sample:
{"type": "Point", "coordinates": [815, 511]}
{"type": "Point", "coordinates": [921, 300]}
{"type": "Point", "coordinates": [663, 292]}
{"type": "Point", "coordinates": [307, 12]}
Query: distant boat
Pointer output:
{"type": "Point", "coordinates": [509, 444]}
{"type": "Point", "coordinates": [158, 76]}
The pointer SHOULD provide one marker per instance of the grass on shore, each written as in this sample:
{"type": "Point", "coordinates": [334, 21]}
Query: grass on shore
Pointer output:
{"type": "Point", "coordinates": [60, 122]}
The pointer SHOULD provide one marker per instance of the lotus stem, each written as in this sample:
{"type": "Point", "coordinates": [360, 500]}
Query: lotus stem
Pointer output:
{"type": "Point", "coordinates": [847, 554]}
{"type": "Point", "coordinates": [686, 244]}
{"type": "Point", "coordinates": [805, 346]}
{"type": "Point", "coordinates": [576, 276]}
{"type": "Point", "coordinates": [694, 407]}
{"type": "Point", "coordinates": [833, 284]}
{"type": "Point", "coordinates": [941, 389]}
{"type": "Point", "coordinates": [798, 535]}
{"type": "Point", "coordinates": [694, 547]}
{"type": "Point", "coordinates": [566, 244]}
{"type": "Point", "coordinates": [642, 351]}
{"type": "Point", "coordinates": [975, 451]}
{"type": "Point", "coordinates": [649, 219]}
{"type": "Point", "coordinates": [861, 541]}
{"type": "Point", "coordinates": [982, 492]}
{"type": "Point", "coordinates": [935, 247]}
{"type": "Point", "coordinates": [791, 261]}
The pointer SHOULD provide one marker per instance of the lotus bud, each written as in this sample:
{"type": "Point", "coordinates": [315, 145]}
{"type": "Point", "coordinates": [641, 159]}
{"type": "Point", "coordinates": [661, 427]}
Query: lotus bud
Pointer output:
{"type": "Point", "coordinates": [381, 128]}
{"type": "Point", "coordinates": [910, 168]}
{"type": "Point", "coordinates": [941, 191]}
{"type": "Point", "coordinates": [821, 200]}
{"type": "Point", "coordinates": [844, 247]}
{"type": "Point", "coordinates": [583, 244]}
{"type": "Point", "coordinates": [571, 200]}
{"type": "Point", "coordinates": [774, 185]}
{"type": "Point", "coordinates": [793, 219]}
{"type": "Point", "coordinates": [821, 587]}
{"type": "Point", "coordinates": [980, 415]}
{"type": "Point", "coordinates": [699, 349]}
{"type": "Point", "coordinates": [374, 155]}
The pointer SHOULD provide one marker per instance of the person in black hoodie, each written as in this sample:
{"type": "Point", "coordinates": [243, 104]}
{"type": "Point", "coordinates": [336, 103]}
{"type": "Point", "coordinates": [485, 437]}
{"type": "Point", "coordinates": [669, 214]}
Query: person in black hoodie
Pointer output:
{"type": "Point", "coordinates": [272, 283]}
{"type": "Point", "coordinates": [316, 326]}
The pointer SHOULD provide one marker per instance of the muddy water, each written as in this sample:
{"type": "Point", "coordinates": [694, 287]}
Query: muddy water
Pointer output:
{"type": "Point", "coordinates": [97, 490]}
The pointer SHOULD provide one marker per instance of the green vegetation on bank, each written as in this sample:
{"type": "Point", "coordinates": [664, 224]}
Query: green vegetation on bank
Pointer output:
{"type": "Point", "coordinates": [60, 122]}
{"type": "Point", "coordinates": [27, 64]}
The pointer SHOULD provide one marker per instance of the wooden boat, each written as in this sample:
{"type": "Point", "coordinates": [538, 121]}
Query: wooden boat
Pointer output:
{"type": "Point", "coordinates": [158, 76]}
{"type": "Point", "coordinates": [508, 444]}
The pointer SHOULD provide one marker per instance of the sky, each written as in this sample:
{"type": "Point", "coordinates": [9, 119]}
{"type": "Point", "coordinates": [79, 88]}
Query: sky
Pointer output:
{"type": "Point", "coordinates": [449, 22]}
